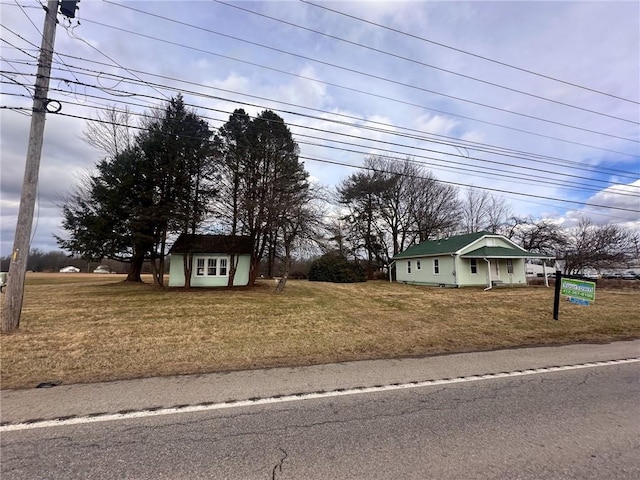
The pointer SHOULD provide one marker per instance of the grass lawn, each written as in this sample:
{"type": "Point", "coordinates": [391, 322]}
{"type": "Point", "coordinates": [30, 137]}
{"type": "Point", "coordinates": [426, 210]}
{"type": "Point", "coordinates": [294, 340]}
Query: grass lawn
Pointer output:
{"type": "Point", "coordinates": [87, 328]}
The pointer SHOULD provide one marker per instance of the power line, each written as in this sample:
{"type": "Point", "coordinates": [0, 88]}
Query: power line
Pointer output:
{"type": "Point", "coordinates": [73, 35]}
{"type": "Point", "coordinates": [466, 52]}
{"type": "Point", "coordinates": [364, 92]}
{"type": "Point", "coordinates": [401, 57]}
{"type": "Point", "coordinates": [368, 93]}
{"type": "Point", "coordinates": [381, 78]}
{"type": "Point", "coordinates": [467, 157]}
{"type": "Point", "coordinates": [466, 143]}
{"type": "Point", "coordinates": [459, 184]}
{"type": "Point", "coordinates": [502, 173]}
{"type": "Point", "coordinates": [365, 127]}
{"type": "Point", "coordinates": [450, 142]}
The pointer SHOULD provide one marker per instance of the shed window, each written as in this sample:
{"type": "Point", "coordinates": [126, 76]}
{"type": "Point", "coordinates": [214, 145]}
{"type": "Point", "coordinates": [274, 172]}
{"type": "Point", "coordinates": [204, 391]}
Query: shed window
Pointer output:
{"type": "Point", "coordinates": [200, 266]}
{"type": "Point", "coordinates": [509, 265]}
{"type": "Point", "coordinates": [408, 266]}
{"type": "Point", "coordinates": [474, 266]}
{"type": "Point", "coordinates": [418, 265]}
{"type": "Point", "coordinates": [211, 266]}
{"type": "Point", "coordinates": [223, 267]}
{"type": "Point", "coordinates": [436, 266]}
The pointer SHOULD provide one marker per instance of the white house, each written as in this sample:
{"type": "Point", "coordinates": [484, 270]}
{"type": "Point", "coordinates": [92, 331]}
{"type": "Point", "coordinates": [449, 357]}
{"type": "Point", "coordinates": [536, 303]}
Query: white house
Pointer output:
{"type": "Point", "coordinates": [475, 259]}
{"type": "Point", "coordinates": [212, 257]}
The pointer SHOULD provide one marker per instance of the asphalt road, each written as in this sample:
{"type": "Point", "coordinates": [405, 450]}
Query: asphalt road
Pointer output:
{"type": "Point", "coordinates": [578, 423]}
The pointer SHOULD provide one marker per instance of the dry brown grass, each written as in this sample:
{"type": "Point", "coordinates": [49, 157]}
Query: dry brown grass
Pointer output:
{"type": "Point", "coordinates": [86, 328]}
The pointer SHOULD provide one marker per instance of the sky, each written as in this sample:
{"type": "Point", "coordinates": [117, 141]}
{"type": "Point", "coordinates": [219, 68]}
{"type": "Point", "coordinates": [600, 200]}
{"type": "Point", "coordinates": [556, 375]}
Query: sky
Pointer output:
{"type": "Point", "coordinates": [534, 102]}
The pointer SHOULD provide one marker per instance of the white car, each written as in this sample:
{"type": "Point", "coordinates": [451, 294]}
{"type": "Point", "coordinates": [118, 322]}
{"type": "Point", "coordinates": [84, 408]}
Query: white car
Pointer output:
{"type": "Point", "coordinates": [69, 269]}
{"type": "Point", "coordinates": [102, 269]}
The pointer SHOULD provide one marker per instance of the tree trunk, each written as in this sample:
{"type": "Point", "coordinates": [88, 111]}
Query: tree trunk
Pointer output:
{"type": "Point", "coordinates": [158, 272]}
{"type": "Point", "coordinates": [188, 269]}
{"type": "Point", "coordinates": [233, 265]}
{"type": "Point", "coordinates": [253, 270]}
{"type": "Point", "coordinates": [287, 267]}
{"type": "Point", "coordinates": [135, 269]}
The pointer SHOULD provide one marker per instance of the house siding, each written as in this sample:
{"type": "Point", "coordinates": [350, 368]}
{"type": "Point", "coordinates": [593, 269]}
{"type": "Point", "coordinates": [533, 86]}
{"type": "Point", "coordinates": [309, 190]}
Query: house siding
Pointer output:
{"type": "Point", "coordinates": [176, 273]}
{"type": "Point", "coordinates": [425, 275]}
{"type": "Point", "coordinates": [465, 276]}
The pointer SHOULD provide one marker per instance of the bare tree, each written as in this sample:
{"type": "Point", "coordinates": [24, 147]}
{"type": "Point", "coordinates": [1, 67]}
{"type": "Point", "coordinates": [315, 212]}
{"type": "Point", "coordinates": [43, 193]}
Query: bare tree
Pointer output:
{"type": "Point", "coordinates": [301, 222]}
{"type": "Point", "coordinates": [598, 247]}
{"type": "Point", "coordinates": [483, 211]}
{"type": "Point", "coordinates": [538, 236]}
{"type": "Point", "coordinates": [475, 210]}
{"type": "Point", "coordinates": [498, 213]}
{"type": "Point", "coordinates": [111, 131]}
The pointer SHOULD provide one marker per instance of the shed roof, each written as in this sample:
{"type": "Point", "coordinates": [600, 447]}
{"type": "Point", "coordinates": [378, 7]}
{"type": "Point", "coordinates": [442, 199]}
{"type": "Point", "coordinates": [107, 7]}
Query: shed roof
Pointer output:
{"type": "Point", "coordinates": [200, 243]}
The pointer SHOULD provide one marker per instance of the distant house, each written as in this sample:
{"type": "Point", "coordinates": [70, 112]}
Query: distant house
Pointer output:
{"type": "Point", "coordinates": [475, 259]}
{"type": "Point", "coordinates": [211, 260]}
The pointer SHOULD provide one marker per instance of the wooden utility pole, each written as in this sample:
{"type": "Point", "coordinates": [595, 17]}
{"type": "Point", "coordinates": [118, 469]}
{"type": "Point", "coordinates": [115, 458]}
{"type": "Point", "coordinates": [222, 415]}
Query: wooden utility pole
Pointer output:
{"type": "Point", "coordinates": [15, 281]}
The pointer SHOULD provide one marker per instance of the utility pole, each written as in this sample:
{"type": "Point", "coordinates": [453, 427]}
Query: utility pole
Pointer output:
{"type": "Point", "coordinates": [17, 270]}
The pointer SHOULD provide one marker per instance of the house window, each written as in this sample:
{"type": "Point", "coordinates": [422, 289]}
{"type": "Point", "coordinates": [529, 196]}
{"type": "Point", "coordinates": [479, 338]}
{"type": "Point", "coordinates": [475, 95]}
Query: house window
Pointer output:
{"type": "Point", "coordinates": [408, 266]}
{"type": "Point", "coordinates": [436, 266]}
{"type": "Point", "coordinates": [418, 265]}
{"type": "Point", "coordinates": [215, 266]}
{"type": "Point", "coordinates": [474, 266]}
{"type": "Point", "coordinates": [509, 265]}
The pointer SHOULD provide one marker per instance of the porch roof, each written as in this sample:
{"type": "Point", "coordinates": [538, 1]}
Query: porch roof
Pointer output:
{"type": "Point", "coordinates": [501, 252]}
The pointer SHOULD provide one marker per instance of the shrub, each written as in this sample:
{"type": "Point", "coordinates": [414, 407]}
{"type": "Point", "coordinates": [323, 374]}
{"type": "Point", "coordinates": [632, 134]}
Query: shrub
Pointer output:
{"type": "Point", "coordinates": [333, 267]}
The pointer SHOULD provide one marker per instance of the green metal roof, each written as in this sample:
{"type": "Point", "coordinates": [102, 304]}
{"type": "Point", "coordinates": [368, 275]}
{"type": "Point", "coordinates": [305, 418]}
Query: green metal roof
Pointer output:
{"type": "Point", "coordinates": [448, 246]}
{"type": "Point", "coordinates": [441, 247]}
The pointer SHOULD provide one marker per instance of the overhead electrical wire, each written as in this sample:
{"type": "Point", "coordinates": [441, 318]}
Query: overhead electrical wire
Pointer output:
{"type": "Point", "coordinates": [421, 138]}
{"type": "Point", "coordinates": [396, 100]}
{"type": "Point", "coordinates": [457, 184]}
{"type": "Point", "coordinates": [466, 52]}
{"type": "Point", "coordinates": [466, 143]}
{"type": "Point", "coordinates": [451, 141]}
{"type": "Point", "coordinates": [384, 79]}
{"type": "Point", "coordinates": [501, 192]}
{"type": "Point", "coordinates": [568, 184]}
{"type": "Point", "coordinates": [467, 157]}
{"type": "Point", "coordinates": [364, 92]}
{"type": "Point", "coordinates": [402, 57]}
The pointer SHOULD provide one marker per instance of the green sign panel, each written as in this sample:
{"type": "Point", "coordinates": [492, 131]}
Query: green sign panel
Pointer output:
{"type": "Point", "coordinates": [578, 289]}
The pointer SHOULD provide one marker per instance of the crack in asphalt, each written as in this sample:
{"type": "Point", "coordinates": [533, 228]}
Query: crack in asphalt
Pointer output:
{"type": "Point", "coordinates": [278, 467]}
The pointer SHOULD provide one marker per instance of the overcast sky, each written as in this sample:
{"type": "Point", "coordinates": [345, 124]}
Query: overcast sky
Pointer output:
{"type": "Point", "coordinates": [534, 98]}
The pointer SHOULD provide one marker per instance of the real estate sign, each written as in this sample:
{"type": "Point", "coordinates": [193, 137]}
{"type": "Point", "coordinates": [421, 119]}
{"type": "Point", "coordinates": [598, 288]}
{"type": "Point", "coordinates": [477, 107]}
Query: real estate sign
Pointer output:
{"type": "Point", "coordinates": [578, 289]}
